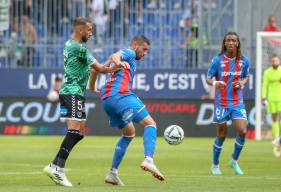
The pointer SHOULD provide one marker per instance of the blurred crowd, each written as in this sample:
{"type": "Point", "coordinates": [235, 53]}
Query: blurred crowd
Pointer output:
{"type": "Point", "coordinates": [38, 29]}
{"type": "Point", "coordinates": [49, 22]}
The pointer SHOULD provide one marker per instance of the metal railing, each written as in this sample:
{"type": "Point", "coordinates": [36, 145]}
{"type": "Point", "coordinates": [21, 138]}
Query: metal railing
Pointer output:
{"type": "Point", "coordinates": [38, 29]}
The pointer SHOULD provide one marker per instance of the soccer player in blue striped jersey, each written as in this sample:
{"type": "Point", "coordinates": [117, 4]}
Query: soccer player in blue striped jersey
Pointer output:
{"type": "Point", "coordinates": [230, 70]}
{"type": "Point", "coordinates": [124, 108]}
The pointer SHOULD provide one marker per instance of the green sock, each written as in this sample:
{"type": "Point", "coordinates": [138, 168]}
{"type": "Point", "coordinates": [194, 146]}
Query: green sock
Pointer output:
{"type": "Point", "coordinates": [275, 129]}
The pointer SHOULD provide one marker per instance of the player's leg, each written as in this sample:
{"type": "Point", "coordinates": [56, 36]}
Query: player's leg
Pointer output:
{"type": "Point", "coordinates": [239, 119]}
{"type": "Point", "coordinates": [275, 125]}
{"type": "Point", "coordinates": [128, 133]}
{"type": "Point", "coordinates": [118, 111]}
{"type": "Point", "coordinates": [149, 142]}
{"type": "Point", "coordinates": [221, 116]}
{"type": "Point", "coordinates": [273, 109]}
{"type": "Point", "coordinates": [217, 147]}
{"type": "Point", "coordinates": [241, 127]}
{"type": "Point", "coordinates": [73, 110]}
{"type": "Point", "coordinates": [276, 129]}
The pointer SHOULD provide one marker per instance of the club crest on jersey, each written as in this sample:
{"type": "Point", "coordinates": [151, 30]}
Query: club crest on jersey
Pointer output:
{"type": "Point", "coordinates": [240, 64]}
{"type": "Point", "coordinates": [79, 114]}
{"type": "Point", "coordinates": [222, 63]}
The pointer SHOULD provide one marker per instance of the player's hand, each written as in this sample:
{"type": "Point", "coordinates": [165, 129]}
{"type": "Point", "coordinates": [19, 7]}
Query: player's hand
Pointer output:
{"type": "Point", "coordinates": [92, 68]}
{"type": "Point", "coordinates": [237, 85]}
{"type": "Point", "coordinates": [94, 90]}
{"type": "Point", "coordinates": [219, 84]}
{"type": "Point", "coordinates": [122, 65]}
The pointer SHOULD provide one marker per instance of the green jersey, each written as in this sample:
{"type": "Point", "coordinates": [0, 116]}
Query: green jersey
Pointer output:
{"type": "Point", "coordinates": [77, 61]}
{"type": "Point", "coordinates": [271, 88]}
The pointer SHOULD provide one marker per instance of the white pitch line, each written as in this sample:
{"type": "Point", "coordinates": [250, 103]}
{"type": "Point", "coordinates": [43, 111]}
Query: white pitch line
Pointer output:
{"type": "Point", "coordinates": [22, 165]}
{"type": "Point", "coordinates": [21, 173]}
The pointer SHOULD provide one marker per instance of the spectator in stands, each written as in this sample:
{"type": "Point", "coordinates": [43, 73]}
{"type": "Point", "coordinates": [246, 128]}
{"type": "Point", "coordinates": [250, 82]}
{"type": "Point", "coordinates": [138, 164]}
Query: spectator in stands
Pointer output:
{"type": "Point", "coordinates": [53, 94]}
{"type": "Point", "coordinates": [153, 4]}
{"type": "Point", "coordinates": [11, 45]}
{"type": "Point", "coordinates": [99, 16]}
{"type": "Point", "coordinates": [191, 43]}
{"type": "Point", "coordinates": [128, 4]}
{"type": "Point", "coordinates": [20, 8]}
{"type": "Point", "coordinates": [271, 26]}
{"type": "Point", "coordinates": [78, 8]}
{"type": "Point", "coordinates": [58, 16]}
{"type": "Point", "coordinates": [29, 40]}
{"type": "Point", "coordinates": [113, 15]}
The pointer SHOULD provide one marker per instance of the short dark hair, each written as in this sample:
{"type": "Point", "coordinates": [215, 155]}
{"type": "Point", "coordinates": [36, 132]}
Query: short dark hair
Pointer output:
{"type": "Point", "coordinates": [81, 21]}
{"type": "Point", "coordinates": [274, 55]}
{"type": "Point", "coordinates": [141, 39]}
{"type": "Point", "coordinates": [58, 79]}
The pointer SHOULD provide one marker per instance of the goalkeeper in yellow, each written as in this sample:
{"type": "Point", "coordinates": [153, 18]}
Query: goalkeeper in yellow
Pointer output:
{"type": "Point", "coordinates": [271, 96]}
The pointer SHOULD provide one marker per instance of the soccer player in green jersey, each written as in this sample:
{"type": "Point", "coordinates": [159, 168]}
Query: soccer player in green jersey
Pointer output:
{"type": "Point", "coordinates": [78, 65]}
{"type": "Point", "coordinates": [271, 90]}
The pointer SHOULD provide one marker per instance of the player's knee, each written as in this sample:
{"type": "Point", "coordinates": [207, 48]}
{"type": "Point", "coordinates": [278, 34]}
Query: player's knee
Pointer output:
{"type": "Point", "coordinates": [222, 135]}
{"type": "Point", "coordinates": [243, 132]}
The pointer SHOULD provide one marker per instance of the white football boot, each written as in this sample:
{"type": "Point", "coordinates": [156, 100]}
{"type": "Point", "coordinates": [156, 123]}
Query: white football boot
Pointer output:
{"type": "Point", "coordinates": [148, 165]}
{"type": "Point", "coordinates": [112, 178]}
{"type": "Point", "coordinates": [57, 174]}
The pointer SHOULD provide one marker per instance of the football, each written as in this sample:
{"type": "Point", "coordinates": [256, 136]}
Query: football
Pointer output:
{"type": "Point", "coordinates": [174, 134]}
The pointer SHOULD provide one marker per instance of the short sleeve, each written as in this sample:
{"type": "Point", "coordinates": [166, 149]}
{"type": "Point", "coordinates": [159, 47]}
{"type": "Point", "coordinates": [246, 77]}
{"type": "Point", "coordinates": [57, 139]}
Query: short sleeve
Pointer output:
{"type": "Point", "coordinates": [128, 54]}
{"type": "Point", "coordinates": [90, 58]}
{"type": "Point", "coordinates": [212, 71]}
{"type": "Point", "coordinates": [85, 56]}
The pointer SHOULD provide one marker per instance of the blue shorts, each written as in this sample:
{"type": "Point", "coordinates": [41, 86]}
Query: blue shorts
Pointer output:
{"type": "Point", "coordinates": [222, 115]}
{"type": "Point", "coordinates": [124, 109]}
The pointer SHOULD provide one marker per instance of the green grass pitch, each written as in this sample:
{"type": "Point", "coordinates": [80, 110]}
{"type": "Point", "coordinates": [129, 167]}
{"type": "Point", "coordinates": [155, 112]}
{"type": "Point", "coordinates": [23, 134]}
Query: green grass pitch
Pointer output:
{"type": "Point", "coordinates": [186, 166]}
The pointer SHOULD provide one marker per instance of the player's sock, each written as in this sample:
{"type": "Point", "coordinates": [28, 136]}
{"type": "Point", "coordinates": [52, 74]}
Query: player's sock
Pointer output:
{"type": "Point", "coordinates": [275, 129]}
{"type": "Point", "coordinates": [239, 143]}
{"type": "Point", "coordinates": [70, 140]}
{"type": "Point", "coordinates": [120, 150]}
{"type": "Point", "coordinates": [149, 140]}
{"type": "Point", "coordinates": [279, 140]}
{"type": "Point", "coordinates": [217, 147]}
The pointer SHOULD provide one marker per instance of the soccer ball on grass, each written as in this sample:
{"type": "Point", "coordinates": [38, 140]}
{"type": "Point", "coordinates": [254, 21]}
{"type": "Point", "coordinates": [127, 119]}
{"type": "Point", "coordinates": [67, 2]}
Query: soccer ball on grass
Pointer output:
{"type": "Point", "coordinates": [174, 134]}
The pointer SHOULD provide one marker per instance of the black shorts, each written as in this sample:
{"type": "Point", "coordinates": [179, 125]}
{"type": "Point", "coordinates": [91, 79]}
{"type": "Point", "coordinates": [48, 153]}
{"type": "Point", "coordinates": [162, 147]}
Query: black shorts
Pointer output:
{"type": "Point", "coordinates": [72, 107]}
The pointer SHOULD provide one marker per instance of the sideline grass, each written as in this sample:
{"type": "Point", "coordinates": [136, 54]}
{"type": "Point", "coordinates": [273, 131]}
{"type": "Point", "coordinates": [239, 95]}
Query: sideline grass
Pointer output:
{"type": "Point", "coordinates": [186, 166]}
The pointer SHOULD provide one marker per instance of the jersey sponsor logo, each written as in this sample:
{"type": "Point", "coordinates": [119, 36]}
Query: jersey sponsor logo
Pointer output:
{"type": "Point", "coordinates": [230, 73]}
{"type": "Point", "coordinates": [63, 111]}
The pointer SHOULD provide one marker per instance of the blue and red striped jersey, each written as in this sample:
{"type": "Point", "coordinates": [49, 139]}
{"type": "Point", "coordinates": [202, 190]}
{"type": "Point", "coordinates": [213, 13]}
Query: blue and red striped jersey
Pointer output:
{"type": "Point", "coordinates": [121, 81]}
{"type": "Point", "coordinates": [228, 70]}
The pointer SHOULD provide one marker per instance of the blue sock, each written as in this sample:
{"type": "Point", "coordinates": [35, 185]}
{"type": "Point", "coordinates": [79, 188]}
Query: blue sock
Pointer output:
{"type": "Point", "coordinates": [120, 150]}
{"type": "Point", "coordinates": [149, 140]}
{"type": "Point", "coordinates": [217, 147]}
{"type": "Point", "coordinates": [280, 140]}
{"type": "Point", "coordinates": [239, 142]}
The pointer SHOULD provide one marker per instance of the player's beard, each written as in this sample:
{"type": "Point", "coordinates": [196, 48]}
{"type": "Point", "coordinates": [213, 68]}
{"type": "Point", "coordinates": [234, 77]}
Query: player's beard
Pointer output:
{"type": "Point", "coordinates": [84, 39]}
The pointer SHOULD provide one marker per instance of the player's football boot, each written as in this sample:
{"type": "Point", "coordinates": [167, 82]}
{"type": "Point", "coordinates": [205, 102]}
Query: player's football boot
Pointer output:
{"type": "Point", "coordinates": [215, 170]}
{"type": "Point", "coordinates": [148, 165]}
{"type": "Point", "coordinates": [276, 148]}
{"type": "Point", "coordinates": [236, 168]}
{"type": "Point", "coordinates": [112, 178]}
{"type": "Point", "coordinates": [57, 174]}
